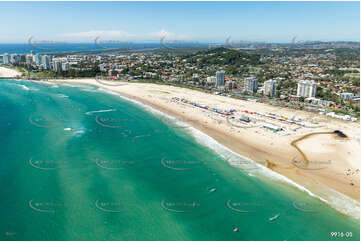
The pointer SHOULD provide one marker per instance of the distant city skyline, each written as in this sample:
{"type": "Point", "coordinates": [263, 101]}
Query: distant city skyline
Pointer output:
{"type": "Point", "coordinates": [279, 22]}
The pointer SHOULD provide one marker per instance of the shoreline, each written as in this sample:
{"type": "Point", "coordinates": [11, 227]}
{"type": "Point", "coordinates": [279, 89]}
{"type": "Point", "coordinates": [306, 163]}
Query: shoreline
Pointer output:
{"type": "Point", "coordinates": [318, 182]}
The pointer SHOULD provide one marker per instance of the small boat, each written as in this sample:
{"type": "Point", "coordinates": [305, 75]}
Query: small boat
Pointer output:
{"type": "Point", "coordinates": [274, 217]}
{"type": "Point", "coordinates": [235, 230]}
{"type": "Point", "coordinates": [212, 190]}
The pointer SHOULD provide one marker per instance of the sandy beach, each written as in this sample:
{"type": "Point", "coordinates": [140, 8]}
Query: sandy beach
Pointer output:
{"type": "Point", "coordinates": [7, 72]}
{"type": "Point", "coordinates": [318, 162]}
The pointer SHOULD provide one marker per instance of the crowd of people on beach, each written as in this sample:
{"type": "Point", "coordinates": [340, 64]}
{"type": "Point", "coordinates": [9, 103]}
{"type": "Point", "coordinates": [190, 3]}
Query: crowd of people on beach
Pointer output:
{"type": "Point", "coordinates": [231, 114]}
{"type": "Point", "coordinates": [216, 110]}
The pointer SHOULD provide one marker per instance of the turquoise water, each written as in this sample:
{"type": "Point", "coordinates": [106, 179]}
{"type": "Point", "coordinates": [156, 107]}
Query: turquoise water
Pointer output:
{"type": "Point", "coordinates": [81, 164]}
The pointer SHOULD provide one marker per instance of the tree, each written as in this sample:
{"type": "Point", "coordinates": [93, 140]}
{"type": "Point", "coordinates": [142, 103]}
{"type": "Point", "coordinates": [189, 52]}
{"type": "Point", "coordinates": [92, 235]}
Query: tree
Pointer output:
{"type": "Point", "coordinates": [319, 92]}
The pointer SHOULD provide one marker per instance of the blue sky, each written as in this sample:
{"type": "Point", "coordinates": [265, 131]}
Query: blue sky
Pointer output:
{"type": "Point", "coordinates": [183, 21]}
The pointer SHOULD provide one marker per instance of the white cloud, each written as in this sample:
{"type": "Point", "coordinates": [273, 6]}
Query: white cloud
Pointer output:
{"type": "Point", "coordinates": [163, 33]}
{"type": "Point", "coordinates": [168, 35]}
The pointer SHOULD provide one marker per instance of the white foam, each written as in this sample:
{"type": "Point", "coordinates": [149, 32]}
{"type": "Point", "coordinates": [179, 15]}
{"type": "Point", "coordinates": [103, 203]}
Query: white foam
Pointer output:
{"type": "Point", "coordinates": [343, 203]}
{"type": "Point", "coordinates": [23, 87]}
{"type": "Point", "coordinates": [27, 88]}
{"type": "Point", "coordinates": [100, 111]}
{"type": "Point", "coordinates": [52, 84]}
{"type": "Point", "coordinates": [62, 95]}
{"type": "Point", "coordinates": [89, 90]}
{"type": "Point", "coordinates": [79, 133]}
{"type": "Point", "coordinates": [72, 85]}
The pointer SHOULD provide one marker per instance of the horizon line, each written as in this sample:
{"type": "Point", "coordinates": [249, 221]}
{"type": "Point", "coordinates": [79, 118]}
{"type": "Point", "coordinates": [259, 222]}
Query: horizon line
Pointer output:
{"type": "Point", "coordinates": [182, 42]}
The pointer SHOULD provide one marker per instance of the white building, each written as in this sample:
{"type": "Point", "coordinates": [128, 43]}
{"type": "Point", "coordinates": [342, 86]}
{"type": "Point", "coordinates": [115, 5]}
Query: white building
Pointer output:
{"type": "Point", "coordinates": [14, 58]}
{"type": "Point", "coordinates": [65, 66]}
{"type": "Point", "coordinates": [57, 65]}
{"type": "Point", "coordinates": [211, 80]}
{"type": "Point", "coordinates": [306, 88]}
{"type": "Point", "coordinates": [28, 59]}
{"type": "Point", "coordinates": [45, 61]}
{"type": "Point", "coordinates": [102, 67]}
{"type": "Point", "coordinates": [195, 77]}
{"type": "Point", "coordinates": [320, 102]}
{"type": "Point", "coordinates": [346, 96]}
{"type": "Point", "coordinates": [344, 117]}
{"type": "Point", "coordinates": [250, 84]}
{"type": "Point", "coordinates": [6, 59]}
{"type": "Point", "coordinates": [220, 75]}
{"type": "Point", "coordinates": [37, 59]}
{"type": "Point", "coordinates": [270, 88]}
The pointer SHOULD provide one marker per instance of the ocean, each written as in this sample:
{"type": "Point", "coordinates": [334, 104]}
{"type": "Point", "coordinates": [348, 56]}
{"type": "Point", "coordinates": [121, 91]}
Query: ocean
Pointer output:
{"type": "Point", "coordinates": [26, 48]}
{"type": "Point", "coordinates": [80, 163]}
